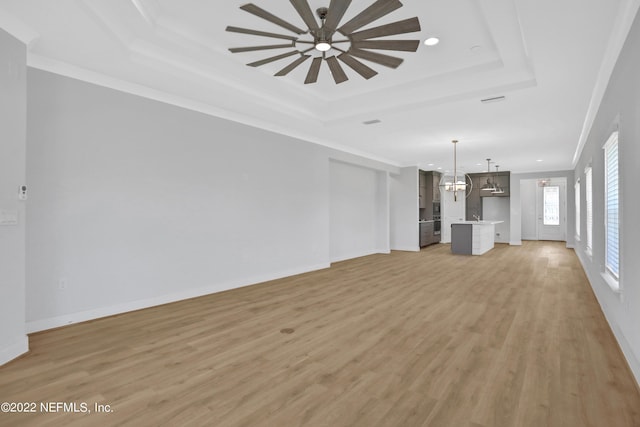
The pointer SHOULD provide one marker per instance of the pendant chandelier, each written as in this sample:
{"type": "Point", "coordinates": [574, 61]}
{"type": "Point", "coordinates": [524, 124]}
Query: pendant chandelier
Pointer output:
{"type": "Point", "coordinates": [488, 186]}
{"type": "Point", "coordinates": [497, 189]}
{"type": "Point", "coordinates": [457, 181]}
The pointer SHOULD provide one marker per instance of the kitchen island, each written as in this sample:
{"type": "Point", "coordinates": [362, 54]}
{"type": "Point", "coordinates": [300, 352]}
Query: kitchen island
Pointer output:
{"type": "Point", "coordinates": [473, 237]}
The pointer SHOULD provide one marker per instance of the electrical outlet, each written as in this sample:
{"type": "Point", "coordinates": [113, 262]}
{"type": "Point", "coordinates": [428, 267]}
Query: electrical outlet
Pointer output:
{"type": "Point", "coordinates": [22, 192]}
{"type": "Point", "coordinates": [62, 284]}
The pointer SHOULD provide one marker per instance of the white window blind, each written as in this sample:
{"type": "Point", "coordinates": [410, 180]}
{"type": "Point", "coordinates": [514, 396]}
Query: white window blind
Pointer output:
{"type": "Point", "coordinates": [577, 188]}
{"type": "Point", "coordinates": [612, 205]}
{"type": "Point", "coordinates": [588, 196]}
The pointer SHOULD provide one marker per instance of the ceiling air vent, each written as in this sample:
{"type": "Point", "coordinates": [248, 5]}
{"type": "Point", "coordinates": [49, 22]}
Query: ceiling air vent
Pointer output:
{"type": "Point", "coordinates": [494, 99]}
{"type": "Point", "coordinates": [372, 122]}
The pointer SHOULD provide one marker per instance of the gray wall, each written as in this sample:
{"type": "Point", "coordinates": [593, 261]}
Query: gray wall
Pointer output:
{"type": "Point", "coordinates": [135, 202]}
{"type": "Point", "coordinates": [13, 54]}
{"type": "Point", "coordinates": [620, 108]}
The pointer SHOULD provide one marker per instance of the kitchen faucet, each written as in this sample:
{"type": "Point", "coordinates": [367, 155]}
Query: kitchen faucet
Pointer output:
{"type": "Point", "coordinates": [477, 217]}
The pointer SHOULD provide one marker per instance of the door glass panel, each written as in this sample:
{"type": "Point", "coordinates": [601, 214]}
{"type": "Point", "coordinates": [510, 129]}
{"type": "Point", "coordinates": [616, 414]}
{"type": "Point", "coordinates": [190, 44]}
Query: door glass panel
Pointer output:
{"type": "Point", "coordinates": [551, 203]}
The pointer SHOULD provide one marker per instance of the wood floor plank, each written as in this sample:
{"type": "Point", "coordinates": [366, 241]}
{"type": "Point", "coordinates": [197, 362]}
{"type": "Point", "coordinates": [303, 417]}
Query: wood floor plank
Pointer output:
{"type": "Point", "coordinates": [511, 338]}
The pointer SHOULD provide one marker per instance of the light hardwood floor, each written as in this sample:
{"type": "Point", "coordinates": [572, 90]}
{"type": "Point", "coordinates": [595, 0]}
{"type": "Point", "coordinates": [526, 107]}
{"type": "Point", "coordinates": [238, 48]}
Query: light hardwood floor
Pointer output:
{"type": "Point", "coordinates": [512, 338]}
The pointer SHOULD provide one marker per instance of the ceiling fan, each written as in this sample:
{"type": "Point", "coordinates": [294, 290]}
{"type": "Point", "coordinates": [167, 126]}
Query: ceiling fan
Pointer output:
{"type": "Point", "coordinates": [322, 38]}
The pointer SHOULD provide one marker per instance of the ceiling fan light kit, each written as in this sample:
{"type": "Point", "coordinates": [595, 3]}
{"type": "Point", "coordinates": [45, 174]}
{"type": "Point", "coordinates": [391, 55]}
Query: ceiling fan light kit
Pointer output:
{"type": "Point", "coordinates": [329, 34]}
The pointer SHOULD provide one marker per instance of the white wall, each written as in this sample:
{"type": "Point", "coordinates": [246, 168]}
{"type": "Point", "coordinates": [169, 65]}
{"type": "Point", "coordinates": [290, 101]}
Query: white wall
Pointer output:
{"type": "Point", "coordinates": [135, 203]}
{"type": "Point", "coordinates": [497, 209]}
{"type": "Point", "coordinates": [383, 212]}
{"type": "Point", "coordinates": [528, 194]}
{"type": "Point", "coordinates": [13, 55]}
{"type": "Point", "coordinates": [358, 211]}
{"type": "Point", "coordinates": [620, 108]}
{"type": "Point", "coordinates": [404, 210]}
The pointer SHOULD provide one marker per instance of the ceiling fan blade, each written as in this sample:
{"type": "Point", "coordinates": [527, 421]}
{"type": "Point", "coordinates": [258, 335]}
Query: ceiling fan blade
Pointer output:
{"type": "Point", "coordinates": [376, 11]}
{"type": "Point", "coordinates": [305, 12]}
{"type": "Point", "coordinates": [337, 9]}
{"type": "Point", "coordinates": [401, 27]}
{"type": "Point", "coordinates": [357, 66]}
{"type": "Point", "coordinates": [252, 48]}
{"type": "Point", "coordinates": [403, 45]}
{"type": "Point", "coordinates": [286, 70]}
{"type": "Point", "coordinates": [336, 70]}
{"type": "Point", "coordinates": [314, 70]}
{"type": "Point", "coordinates": [260, 33]}
{"type": "Point", "coordinates": [259, 12]}
{"type": "Point", "coordinates": [273, 58]}
{"type": "Point", "coordinates": [378, 58]}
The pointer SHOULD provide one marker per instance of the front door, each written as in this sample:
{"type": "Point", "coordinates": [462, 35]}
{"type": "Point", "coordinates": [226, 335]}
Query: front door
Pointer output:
{"type": "Point", "coordinates": [551, 210]}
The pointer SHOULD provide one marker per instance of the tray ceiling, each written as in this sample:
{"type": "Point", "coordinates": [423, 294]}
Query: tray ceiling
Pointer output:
{"type": "Point", "coordinates": [543, 57]}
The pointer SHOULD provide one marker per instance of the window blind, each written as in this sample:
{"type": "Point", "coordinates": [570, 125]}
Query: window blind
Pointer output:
{"type": "Point", "coordinates": [588, 206]}
{"type": "Point", "coordinates": [612, 205]}
{"type": "Point", "coordinates": [577, 188]}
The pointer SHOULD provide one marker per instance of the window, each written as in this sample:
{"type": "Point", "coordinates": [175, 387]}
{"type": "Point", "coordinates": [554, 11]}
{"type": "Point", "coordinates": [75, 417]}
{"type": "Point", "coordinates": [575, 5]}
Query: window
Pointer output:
{"type": "Point", "coordinates": [551, 203]}
{"type": "Point", "coordinates": [578, 208]}
{"type": "Point", "coordinates": [588, 178]}
{"type": "Point", "coordinates": [612, 206]}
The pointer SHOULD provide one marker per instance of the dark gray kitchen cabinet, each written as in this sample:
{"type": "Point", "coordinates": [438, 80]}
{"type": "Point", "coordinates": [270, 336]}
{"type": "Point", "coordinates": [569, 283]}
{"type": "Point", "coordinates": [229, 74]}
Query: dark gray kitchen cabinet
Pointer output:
{"type": "Point", "coordinates": [429, 193]}
{"type": "Point", "coordinates": [436, 186]}
{"type": "Point", "coordinates": [426, 233]}
{"type": "Point", "coordinates": [422, 195]}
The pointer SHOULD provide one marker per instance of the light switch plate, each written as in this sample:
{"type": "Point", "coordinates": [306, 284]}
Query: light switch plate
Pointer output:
{"type": "Point", "coordinates": [8, 217]}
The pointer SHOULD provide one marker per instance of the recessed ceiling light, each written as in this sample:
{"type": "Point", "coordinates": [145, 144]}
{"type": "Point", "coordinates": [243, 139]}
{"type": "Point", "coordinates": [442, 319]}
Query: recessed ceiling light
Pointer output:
{"type": "Point", "coordinates": [430, 164]}
{"type": "Point", "coordinates": [539, 160]}
{"type": "Point", "coordinates": [475, 49]}
{"type": "Point", "coordinates": [432, 41]}
{"type": "Point", "coordinates": [478, 164]}
{"type": "Point", "coordinates": [439, 169]}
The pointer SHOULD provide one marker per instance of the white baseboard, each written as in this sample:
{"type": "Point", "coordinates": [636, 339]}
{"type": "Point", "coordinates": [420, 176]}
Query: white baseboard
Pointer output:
{"type": "Point", "coordinates": [96, 313]}
{"type": "Point", "coordinates": [18, 348]}
{"type": "Point", "coordinates": [352, 256]}
{"type": "Point", "coordinates": [406, 249]}
{"type": "Point", "coordinates": [627, 350]}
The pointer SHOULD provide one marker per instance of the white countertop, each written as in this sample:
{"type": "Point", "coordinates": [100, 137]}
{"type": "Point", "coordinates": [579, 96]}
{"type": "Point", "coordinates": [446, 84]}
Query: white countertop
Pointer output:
{"type": "Point", "coordinates": [487, 222]}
